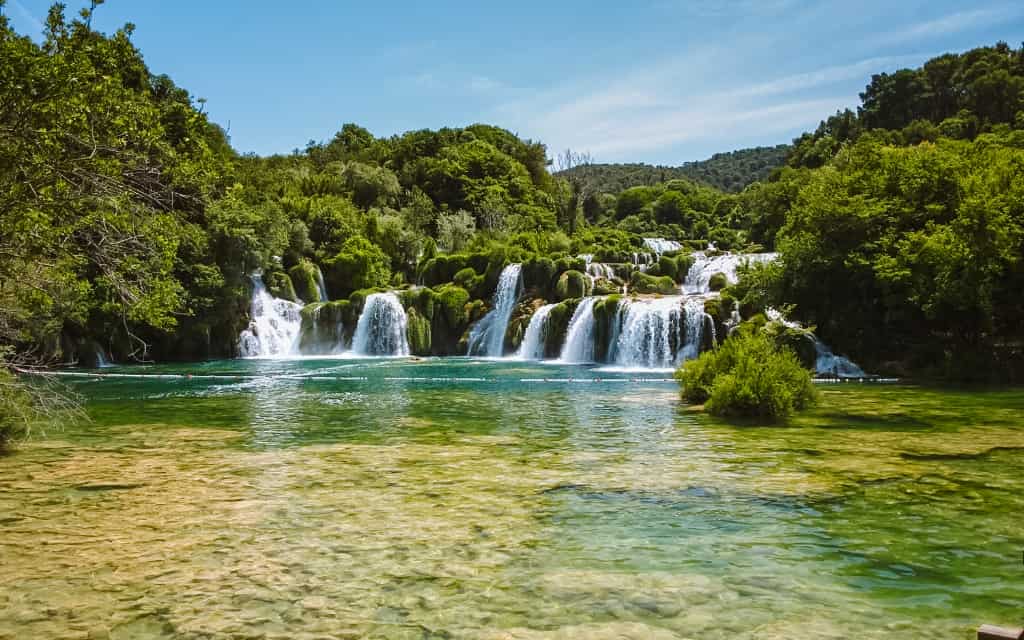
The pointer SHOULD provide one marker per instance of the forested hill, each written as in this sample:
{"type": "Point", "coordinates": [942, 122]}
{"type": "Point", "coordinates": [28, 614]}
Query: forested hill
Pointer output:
{"type": "Point", "coordinates": [731, 171]}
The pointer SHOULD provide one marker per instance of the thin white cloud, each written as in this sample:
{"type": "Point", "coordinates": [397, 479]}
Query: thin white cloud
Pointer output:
{"type": "Point", "coordinates": [946, 25]}
{"type": "Point", "coordinates": [661, 107]}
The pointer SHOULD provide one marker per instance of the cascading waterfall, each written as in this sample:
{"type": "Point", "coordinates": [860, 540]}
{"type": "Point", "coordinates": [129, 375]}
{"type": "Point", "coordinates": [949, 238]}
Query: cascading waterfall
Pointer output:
{"type": "Point", "coordinates": [826, 363]}
{"type": "Point", "coordinates": [579, 337]}
{"type": "Point", "coordinates": [321, 288]}
{"type": "Point", "coordinates": [101, 358]}
{"type": "Point", "coordinates": [597, 270]}
{"type": "Point", "coordinates": [661, 245]}
{"type": "Point", "coordinates": [274, 324]}
{"type": "Point", "coordinates": [532, 347]}
{"type": "Point", "coordinates": [659, 333]}
{"type": "Point", "coordinates": [381, 330]}
{"type": "Point", "coordinates": [699, 276]}
{"type": "Point", "coordinates": [829, 364]}
{"type": "Point", "coordinates": [487, 338]}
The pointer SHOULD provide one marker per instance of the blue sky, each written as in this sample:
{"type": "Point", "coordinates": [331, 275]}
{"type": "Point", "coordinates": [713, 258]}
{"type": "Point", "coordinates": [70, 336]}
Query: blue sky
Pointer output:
{"type": "Point", "coordinates": [660, 81]}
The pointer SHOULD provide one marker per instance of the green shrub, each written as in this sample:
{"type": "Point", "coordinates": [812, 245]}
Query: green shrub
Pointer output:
{"type": "Point", "coordinates": [279, 285]}
{"type": "Point", "coordinates": [572, 284]}
{"type": "Point", "coordinates": [538, 274]}
{"type": "Point", "coordinates": [718, 281]}
{"type": "Point", "coordinates": [303, 276]}
{"type": "Point", "coordinates": [359, 265]}
{"type": "Point", "coordinates": [641, 282]}
{"type": "Point", "coordinates": [749, 375]}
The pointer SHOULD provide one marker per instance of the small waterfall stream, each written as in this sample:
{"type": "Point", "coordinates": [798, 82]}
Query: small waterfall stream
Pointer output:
{"type": "Point", "coordinates": [579, 337]}
{"type": "Point", "coordinates": [698, 277]}
{"type": "Point", "coordinates": [487, 338]}
{"type": "Point", "coordinates": [532, 347]}
{"type": "Point", "coordinates": [661, 245]}
{"type": "Point", "coordinates": [381, 330]}
{"type": "Point", "coordinates": [321, 288]}
{"type": "Point", "coordinates": [274, 324]}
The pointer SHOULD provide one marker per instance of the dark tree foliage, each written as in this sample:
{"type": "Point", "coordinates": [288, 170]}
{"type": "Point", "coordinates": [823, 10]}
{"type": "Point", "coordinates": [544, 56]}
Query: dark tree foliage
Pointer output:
{"type": "Point", "coordinates": [953, 95]}
{"type": "Point", "coordinates": [731, 171]}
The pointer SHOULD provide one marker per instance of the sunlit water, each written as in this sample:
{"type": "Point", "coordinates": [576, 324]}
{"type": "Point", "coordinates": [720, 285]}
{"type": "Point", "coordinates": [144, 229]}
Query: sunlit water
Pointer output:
{"type": "Point", "coordinates": [471, 499]}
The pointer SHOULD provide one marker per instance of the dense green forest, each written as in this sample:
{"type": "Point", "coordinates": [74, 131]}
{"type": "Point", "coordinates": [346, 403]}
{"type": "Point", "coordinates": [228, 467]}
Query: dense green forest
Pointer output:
{"type": "Point", "coordinates": [128, 224]}
{"type": "Point", "coordinates": [731, 171]}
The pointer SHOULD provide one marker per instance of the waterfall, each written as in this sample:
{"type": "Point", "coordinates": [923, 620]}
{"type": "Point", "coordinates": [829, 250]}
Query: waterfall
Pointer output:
{"type": "Point", "coordinates": [661, 245]}
{"type": "Point", "coordinates": [381, 327]}
{"type": "Point", "coordinates": [532, 347]}
{"type": "Point", "coordinates": [658, 333]}
{"type": "Point", "coordinates": [579, 337]}
{"type": "Point", "coordinates": [641, 261]}
{"type": "Point", "coordinates": [101, 358]}
{"type": "Point", "coordinates": [597, 270]}
{"type": "Point", "coordinates": [321, 288]}
{"type": "Point", "coordinates": [826, 363]}
{"type": "Point", "coordinates": [274, 324]}
{"type": "Point", "coordinates": [487, 338]}
{"type": "Point", "coordinates": [829, 364]}
{"type": "Point", "coordinates": [699, 275]}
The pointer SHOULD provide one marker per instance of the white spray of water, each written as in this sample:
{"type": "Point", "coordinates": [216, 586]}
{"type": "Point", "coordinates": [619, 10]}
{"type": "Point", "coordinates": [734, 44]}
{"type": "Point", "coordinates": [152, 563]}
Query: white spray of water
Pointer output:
{"type": "Point", "coordinates": [661, 245]}
{"type": "Point", "coordinates": [579, 337]}
{"type": "Point", "coordinates": [487, 338]}
{"type": "Point", "coordinates": [532, 347]}
{"type": "Point", "coordinates": [659, 333]}
{"type": "Point", "coordinates": [698, 277]}
{"type": "Point", "coordinates": [381, 330]}
{"type": "Point", "coordinates": [274, 324]}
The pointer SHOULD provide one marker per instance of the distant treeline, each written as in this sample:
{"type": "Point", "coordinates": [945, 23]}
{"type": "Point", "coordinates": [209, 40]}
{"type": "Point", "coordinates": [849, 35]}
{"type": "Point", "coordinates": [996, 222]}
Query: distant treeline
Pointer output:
{"type": "Point", "coordinates": [731, 171]}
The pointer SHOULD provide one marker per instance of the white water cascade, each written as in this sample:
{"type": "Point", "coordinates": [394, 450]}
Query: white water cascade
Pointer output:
{"type": "Point", "coordinates": [661, 245]}
{"type": "Point", "coordinates": [381, 330]}
{"type": "Point", "coordinates": [532, 347]}
{"type": "Point", "coordinates": [829, 364]}
{"type": "Point", "coordinates": [487, 338]}
{"type": "Point", "coordinates": [826, 363]}
{"type": "Point", "coordinates": [699, 276]}
{"type": "Point", "coordinates": [274, 324]}
{"type": "Point", "coordinates": [597, 270]}
{"type": "Point", "coordinates": [658, 333]}
{"type": "Point", "coordinates": [321, 288]}
{"type": "Point", "coordinates": [579, 337]}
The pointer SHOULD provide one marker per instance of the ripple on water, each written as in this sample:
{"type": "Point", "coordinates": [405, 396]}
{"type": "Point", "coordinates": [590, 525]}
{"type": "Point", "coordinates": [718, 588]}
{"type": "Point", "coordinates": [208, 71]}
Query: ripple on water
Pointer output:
{"type": "Point", "coordinates": [298, 509]}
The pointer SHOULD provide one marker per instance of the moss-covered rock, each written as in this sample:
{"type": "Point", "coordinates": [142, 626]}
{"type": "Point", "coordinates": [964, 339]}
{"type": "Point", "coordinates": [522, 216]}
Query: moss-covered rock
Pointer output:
{"type": "Point", "coordinates": [280, 285]}
{"type": "Point", "coordinates": [641, 282]}
{"type": "Point", "coordinates": [684, 262]}
{"type": "Point", "coordinates": [327, 327]}
{"type": "Point", "coordinates": [606, 287]}
{"type": "Point", "coordinates": [539, 276]}
{"type": "Point", "coordinates": [519, 321]}
{"type": "Point", "coordinates": [558, 324]}
{"type": "Point", "coordinates": [572, 284]}
{"type": "Point", "coordinates": [667, 267]}
{"type": "Point", "coordinates": [606, 312]}
{"type": "Point", "coordinates": [469, 280]}
{"type": "Point", "coordinates": [799, 340]}
{"type": "Point", "coordinates": [441, 269]}
{"type": "Point", "coordinates": [570, 264]}
{"type": "Point", "coordinates": [418, 332]}
{"type": "Point", "coordinates": [718, 281]}
{"type": "Point", "coordinates": [303, 277]}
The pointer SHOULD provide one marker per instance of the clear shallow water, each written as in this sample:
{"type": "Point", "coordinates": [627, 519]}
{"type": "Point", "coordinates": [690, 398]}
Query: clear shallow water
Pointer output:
{"type": "Point", "coordinates": [473, 499]}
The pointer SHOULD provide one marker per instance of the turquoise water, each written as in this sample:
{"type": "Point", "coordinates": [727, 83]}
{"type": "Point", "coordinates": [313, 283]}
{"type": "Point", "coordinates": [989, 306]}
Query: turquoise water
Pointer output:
{"type": "Point", "coordinates": [486, 499]}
